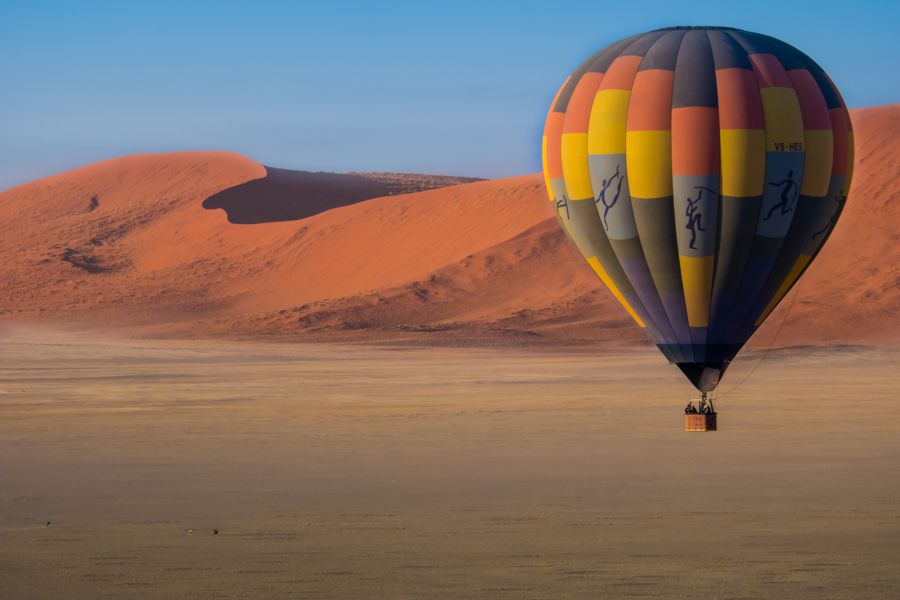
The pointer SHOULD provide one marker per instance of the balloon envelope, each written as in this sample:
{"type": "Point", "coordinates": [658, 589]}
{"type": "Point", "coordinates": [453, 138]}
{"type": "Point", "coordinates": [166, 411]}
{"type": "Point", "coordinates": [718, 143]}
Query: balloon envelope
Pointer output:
{"type": "Point", "coordinates": [698, 170]}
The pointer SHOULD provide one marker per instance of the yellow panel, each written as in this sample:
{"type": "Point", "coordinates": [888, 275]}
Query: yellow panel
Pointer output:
{"type": "Point", "coordinates": [743, 162]}
{"type": "Point", "coordinates": [649, 163]}
{"type": "Point", "coordinates": [544, 162]}
{"type": "Point", "coordinates": [697, 279]}
{"type": "Point", "coordinates": [784, 121]}
{"type": "Point", "coordinates": [575, 166]}
{"type": "Point", "coordinates": [798, 267]}
{"type": "Point", "coordinates": [818, 162]}
{"type": "Point", "coordinates": [604, 277]}
{"type": "Point", "coordinates": [606, 130]}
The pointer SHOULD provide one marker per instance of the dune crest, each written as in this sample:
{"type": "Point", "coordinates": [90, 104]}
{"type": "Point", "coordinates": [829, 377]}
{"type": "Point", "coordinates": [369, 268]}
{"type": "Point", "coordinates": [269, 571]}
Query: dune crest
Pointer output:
{"type": "Point", "coordinates": [213, 244]}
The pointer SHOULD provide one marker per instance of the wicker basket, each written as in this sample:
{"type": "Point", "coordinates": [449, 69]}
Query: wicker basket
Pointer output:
{"type": "Point", "coordinates": [700, 422]}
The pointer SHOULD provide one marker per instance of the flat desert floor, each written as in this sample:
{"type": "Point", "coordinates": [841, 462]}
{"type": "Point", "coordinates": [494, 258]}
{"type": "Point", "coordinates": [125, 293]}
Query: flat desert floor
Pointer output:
{"type": "Point", "coordinates": [352, 472]}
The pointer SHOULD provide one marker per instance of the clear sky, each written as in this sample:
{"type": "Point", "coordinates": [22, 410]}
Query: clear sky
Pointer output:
{"type": "Point", "coordinates": [457, 87]}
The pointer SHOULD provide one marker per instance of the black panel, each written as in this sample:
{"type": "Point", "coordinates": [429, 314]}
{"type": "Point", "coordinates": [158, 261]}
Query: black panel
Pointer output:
{"type": "Point", "coordinates": [695, 76]}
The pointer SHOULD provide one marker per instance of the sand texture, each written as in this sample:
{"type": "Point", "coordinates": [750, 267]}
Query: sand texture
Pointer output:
{"type": "Point", "coordinates": [354, 472]}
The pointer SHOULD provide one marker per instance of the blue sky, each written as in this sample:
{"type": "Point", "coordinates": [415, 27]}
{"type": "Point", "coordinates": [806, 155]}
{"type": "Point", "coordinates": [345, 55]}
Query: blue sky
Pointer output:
{"type": "Point", "coordinates": [443, 87]}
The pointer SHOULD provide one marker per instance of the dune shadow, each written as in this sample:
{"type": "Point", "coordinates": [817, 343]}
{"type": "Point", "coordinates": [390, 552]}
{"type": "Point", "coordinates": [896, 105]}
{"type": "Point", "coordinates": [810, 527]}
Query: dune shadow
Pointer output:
{"type": "Point", "coordinates": [286, 195]}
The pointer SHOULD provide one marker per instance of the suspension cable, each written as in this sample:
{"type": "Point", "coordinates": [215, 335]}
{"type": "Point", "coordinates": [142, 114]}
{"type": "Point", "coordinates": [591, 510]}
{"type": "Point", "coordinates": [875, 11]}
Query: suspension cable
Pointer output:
{"type": "Point", "coordinates": [765, 353]}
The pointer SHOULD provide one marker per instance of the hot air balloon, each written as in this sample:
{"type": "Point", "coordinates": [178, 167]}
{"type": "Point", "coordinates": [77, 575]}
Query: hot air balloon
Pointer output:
{"type": "Point", "coordinates": [699, 171]}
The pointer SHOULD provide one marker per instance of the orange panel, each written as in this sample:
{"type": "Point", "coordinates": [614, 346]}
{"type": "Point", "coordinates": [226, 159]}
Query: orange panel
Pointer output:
{"type": "Point", "coordinates": [651, 101]}
{"type": "Point", "coordinates": [620, 74]}
{"type": "Point", "coordinates": [740, 105]}
{"type": "Point", "coordinates": [695, 141]}
{"type": "Point", "coordinates": [769, 71]}
{"type": "Point", "coordinates": [578, 114]}
{"type": "Point", "coordinates": [812, 102]}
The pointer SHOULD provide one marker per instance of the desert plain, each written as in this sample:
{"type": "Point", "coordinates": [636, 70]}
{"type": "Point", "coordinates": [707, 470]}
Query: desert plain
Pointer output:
{"type": "Point", "coordinates": [403, 472]}
{"type": "Point", "coordinates": [224, 380]}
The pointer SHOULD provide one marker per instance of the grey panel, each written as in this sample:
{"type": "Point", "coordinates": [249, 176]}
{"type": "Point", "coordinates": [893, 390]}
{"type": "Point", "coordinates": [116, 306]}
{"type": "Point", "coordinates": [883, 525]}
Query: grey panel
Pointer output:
{"type": "Point", "coordinates": [610, 183]}
{"type": "Point", "coordinates": [696, 213]}
{"type": "Point", "coordinates": [784, 176]}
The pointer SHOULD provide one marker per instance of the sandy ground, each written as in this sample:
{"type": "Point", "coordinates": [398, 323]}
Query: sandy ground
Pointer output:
{"type": "Point", "coordinates": [351, 472]}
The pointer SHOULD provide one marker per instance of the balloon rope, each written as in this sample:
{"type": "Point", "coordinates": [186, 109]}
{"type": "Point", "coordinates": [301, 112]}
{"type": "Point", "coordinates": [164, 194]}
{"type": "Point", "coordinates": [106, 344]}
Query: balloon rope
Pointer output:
{"type": "Point", "coordinates": [765, 353]}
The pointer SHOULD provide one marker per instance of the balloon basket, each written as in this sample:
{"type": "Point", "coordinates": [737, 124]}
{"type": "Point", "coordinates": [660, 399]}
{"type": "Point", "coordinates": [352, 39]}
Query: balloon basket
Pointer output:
{"type": "Point", "coordinates": [700, 414]}
{"type": "Point", "coordinates": [705, 422]}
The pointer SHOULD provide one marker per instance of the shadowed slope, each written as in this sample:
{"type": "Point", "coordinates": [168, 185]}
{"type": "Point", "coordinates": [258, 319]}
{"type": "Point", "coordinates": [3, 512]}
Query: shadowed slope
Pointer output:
{"type": "Point", "coordinates": [285, 195]}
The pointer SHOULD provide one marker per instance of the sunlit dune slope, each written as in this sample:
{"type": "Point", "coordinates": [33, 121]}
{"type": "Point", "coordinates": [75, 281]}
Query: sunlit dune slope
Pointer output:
{"type": "Point", "coordinates": [214, 244]}
{"type": "Point", "coordinates": [851, 293]}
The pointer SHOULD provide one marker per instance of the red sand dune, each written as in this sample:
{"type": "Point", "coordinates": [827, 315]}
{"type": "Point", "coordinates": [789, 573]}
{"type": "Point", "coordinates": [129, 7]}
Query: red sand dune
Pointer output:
{"type": "Point", "coordinates": [199, 244]}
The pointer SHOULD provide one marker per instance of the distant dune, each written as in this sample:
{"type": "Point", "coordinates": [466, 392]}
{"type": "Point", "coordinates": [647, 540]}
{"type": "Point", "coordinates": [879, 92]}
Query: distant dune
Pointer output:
{"type": "Point", "coordinates": [213, 244]}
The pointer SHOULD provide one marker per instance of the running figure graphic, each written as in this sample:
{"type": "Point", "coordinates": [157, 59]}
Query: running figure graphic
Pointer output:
{"type": "Point", "coordinates": [694, 216]}
{"type": "Point", "coordinates": [839, 199]}
{"type": "Point", "coordinates": [602, 197]}
{"type": "Point", "coordinates": [563, 202]}
{"type": "Point", "coordinates": [788, 195]}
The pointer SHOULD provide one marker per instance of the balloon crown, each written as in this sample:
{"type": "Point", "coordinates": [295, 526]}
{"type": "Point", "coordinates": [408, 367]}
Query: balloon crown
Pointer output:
{"type": "Point", "coordinates": [693, 27]}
